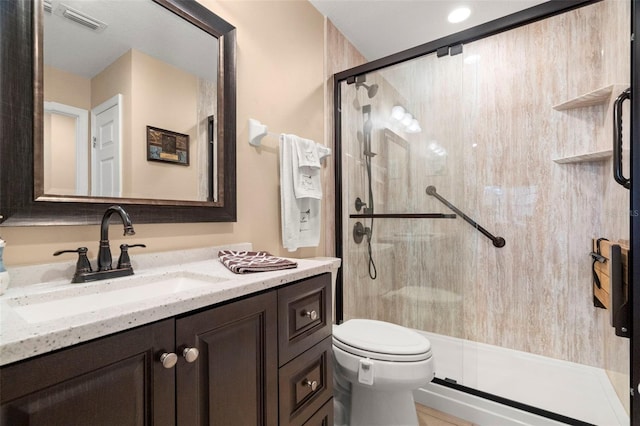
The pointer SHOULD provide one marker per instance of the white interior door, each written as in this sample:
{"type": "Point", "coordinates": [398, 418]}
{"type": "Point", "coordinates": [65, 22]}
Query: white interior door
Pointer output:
{"type": "Point", "coordinates": [106, 136]}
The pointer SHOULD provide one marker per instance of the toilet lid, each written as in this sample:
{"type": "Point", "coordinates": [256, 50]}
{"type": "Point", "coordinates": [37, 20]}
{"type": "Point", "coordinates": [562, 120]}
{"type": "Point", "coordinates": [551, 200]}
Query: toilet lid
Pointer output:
{"type": "Point", "coordinates": [381, 340]}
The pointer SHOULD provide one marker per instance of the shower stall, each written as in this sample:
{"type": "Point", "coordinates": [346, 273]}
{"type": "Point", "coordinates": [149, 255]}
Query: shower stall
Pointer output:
{"type": "Point", "coordinates": [466, 209]}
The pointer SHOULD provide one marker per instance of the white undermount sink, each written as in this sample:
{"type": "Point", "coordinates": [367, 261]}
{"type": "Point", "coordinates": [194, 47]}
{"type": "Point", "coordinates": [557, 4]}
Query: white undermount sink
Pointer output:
{"type": "Point", "coordinates": [99, 295]}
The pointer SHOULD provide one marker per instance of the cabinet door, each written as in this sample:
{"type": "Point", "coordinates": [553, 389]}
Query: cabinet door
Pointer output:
{"type": "Point", "coordinates": [234, 379]}
{"type": "Point", "coordinates": [113, 380]}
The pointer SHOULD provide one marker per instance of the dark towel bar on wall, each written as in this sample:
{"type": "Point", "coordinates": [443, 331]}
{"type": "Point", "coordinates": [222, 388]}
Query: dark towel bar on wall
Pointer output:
{"type": "Point", "coordinates": [497, 241]}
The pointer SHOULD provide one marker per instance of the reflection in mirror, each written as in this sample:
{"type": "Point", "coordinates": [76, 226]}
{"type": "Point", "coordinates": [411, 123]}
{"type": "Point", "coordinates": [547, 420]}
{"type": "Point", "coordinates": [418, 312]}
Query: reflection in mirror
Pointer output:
{"type": "Point", "coordinates": [149, 177]}
{"type": "Point", "coordinates": [110, 70]}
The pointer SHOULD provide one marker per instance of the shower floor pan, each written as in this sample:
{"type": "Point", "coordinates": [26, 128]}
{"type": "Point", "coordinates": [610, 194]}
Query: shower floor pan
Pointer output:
{"type": "Point", "coordinates": [570, 390]}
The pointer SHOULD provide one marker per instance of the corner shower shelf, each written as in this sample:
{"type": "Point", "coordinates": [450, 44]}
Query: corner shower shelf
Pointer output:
{"type": "Point", "coordinates": [585, 158]}
{"type": "Point", "coordinates": [595, 97]}
{"type": "Point", "coordinates": [602, 96]}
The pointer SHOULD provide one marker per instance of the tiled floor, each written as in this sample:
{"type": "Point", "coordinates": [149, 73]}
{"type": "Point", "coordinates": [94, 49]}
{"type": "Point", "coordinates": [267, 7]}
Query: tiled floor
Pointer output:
{"type": "Point", "coordinates": [430, 417]}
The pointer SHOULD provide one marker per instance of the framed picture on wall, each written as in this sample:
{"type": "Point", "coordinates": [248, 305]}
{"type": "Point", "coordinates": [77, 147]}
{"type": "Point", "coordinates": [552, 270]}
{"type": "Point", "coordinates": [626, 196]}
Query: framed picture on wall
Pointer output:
{"type": "Point", "coordinates": [167, 146]}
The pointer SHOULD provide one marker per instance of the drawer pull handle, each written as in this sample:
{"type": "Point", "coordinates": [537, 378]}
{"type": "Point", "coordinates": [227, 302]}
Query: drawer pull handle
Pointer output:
{"type": "Point", "coordinates": [190, 354]}
{"type": "Point", "coordinates": [168, 359]}
{"type": "Point", "coordinates": [311, 384]}
{"type": "Point", "coordinates": [311, 314]}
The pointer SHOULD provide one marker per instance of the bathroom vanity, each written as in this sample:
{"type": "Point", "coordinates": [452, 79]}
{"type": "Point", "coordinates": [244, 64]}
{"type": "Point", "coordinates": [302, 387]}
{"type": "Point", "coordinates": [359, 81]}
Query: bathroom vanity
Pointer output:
{"type": "Point", "coordinates": [236, 350]}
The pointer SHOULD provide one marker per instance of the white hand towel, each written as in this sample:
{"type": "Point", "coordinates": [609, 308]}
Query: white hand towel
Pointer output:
{"type": "Point", "coordinates": [300, 217]}
{"type": "Point", "coordinates": [306, 180]}
{"type": "Point", "coordinates": [307, 151]}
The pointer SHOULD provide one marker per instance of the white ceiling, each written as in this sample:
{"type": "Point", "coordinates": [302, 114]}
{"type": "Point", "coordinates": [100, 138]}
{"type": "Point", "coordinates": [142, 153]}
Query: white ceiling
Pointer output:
{"type": "Point", "coordinates": [378, 28]}
{"type": "Point", "coordinates": [138, 24]}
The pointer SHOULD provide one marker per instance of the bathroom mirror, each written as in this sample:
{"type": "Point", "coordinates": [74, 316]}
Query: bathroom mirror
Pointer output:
{"type": "Point", "coordinates": [130, 105]}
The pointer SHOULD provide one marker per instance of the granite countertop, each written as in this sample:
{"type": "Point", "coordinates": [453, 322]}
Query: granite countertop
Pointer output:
{"type": "Point", "coordinates": [31, 325]}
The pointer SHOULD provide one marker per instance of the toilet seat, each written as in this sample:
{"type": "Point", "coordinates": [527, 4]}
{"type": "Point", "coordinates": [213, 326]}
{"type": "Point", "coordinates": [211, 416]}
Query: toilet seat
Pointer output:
{"type": "Point", "coordinates": [381, 340]}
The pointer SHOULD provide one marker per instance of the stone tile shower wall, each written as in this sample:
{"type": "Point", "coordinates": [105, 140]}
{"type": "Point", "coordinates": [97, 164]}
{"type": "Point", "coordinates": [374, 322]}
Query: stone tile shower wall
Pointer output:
{"type": "Point", "coordinates": [494, 117]}
{"type": "Point", "coordinates": [419, 283]}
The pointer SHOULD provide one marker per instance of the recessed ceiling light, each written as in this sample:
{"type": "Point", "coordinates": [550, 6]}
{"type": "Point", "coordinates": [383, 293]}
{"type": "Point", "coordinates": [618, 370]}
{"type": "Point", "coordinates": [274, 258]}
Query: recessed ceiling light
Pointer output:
{"type": "Point", "coordinates": [459, 15]}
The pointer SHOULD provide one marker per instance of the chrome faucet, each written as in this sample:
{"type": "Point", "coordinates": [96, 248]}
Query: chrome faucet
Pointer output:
{"type": "Point", "coordinates": [84, 272]}
{"type": "Point", "coordinates": [104, 253]}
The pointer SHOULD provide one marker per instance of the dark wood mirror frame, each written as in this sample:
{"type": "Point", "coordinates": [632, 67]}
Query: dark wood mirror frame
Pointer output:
{"type": "Point", "coordinates": [22, 202]}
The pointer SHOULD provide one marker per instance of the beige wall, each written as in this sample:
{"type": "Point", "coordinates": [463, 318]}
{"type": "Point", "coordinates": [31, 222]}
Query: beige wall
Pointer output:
{"type": "Point", "coordinates": [59, 130]}
{"type": "Point", "coordinates": [167, 106]}
{"type": "Point", "coordinates": [59, 154]}
{"type": "Point", "coordinates": [116, 79]}
{"type": "Point", "coordinates": [66, 88]}
{"type": "Point", "coordinates": [281, 83]}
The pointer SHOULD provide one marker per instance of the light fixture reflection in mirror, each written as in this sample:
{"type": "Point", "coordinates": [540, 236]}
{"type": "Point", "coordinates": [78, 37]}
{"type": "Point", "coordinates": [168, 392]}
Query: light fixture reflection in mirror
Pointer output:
{"type": "Point", "coordinates": [94, 52]}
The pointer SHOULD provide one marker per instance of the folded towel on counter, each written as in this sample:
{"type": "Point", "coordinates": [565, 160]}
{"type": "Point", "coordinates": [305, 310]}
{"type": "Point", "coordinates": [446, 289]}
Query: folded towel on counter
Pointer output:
{"type": "Point", "coordinates": [242, 262]}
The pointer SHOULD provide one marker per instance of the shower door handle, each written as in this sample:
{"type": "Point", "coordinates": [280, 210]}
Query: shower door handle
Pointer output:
{"type": "Point", "coordinates": [619, 301]}
{"type": "Point", "coordinates": [617, 139]}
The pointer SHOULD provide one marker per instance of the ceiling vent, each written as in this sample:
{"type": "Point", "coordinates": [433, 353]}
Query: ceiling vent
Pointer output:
{"type": "Point", "coordinates": [80, 18]}
{"type": "Point", "coordinates": [48, 7]}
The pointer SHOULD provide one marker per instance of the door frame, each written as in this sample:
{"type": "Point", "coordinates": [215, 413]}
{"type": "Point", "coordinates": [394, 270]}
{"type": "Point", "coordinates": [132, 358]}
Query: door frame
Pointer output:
{"type": "Point", "coordinates": [82, 149]}
{"type": "Point", "coordinates": [109, 103]}
{"type": "Point", "coordinates": [634, 212]}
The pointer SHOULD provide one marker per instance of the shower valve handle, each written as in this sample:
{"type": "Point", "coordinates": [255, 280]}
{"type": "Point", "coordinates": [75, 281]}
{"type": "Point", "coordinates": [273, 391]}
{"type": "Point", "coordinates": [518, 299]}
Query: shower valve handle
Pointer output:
{"type": "Point", "coordinates": [359, 231]}
{"type": "Point", "coordinates": [359, 204]}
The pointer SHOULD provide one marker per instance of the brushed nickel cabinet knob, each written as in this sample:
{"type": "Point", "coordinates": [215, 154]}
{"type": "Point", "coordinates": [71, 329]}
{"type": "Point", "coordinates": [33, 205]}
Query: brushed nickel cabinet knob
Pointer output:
{"type": "Point", "coordinates": [190, 354]}
{"type": "Point", "coordinates": [311, 383]}
{"type": "Point", "coordinates": [168, 359]}
{"type": "Point", "coordinates": [311, 314]}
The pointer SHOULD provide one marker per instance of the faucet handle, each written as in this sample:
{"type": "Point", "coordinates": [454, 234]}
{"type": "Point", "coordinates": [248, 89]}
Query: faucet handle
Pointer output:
{"type": "Point", "coordinates": [124, 261]}
{"type": "Point", "coordinates": [83, 264]}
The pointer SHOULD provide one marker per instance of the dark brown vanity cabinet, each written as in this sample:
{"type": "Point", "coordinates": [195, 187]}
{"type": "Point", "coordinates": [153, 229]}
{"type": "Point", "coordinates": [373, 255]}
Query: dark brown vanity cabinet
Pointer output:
{"type": "Point", "coordinates": [243, 370]}
{"type": "Point", "coordinates": [114, 380]}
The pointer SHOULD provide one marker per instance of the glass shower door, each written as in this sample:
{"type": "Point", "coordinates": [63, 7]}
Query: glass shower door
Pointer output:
{"type": "Point", "coordinates": [405, 258]}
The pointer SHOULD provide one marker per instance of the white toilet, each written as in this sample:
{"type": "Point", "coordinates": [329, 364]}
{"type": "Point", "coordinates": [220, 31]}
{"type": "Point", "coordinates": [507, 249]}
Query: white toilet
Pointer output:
{"type": "Point", "coordinates": [377, 365]}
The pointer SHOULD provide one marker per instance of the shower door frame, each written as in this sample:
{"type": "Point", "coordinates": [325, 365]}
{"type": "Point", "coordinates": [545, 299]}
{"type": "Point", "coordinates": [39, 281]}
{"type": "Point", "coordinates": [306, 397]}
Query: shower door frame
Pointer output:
{"type": "Point", "coordinates": [533, 14]}
{"type": "Point", "coordinates": [634, 255]}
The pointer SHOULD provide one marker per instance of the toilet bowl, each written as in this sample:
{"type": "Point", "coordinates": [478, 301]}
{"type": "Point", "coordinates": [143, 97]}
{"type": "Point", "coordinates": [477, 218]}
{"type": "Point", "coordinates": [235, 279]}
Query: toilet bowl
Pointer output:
{"type": "Point", "coordinates": [377, 365]}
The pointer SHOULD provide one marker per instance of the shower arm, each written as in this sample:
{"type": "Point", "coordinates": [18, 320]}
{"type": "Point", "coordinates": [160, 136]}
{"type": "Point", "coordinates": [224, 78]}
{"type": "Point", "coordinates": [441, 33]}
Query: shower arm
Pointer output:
{"type": "Point", "coordinates": [497, 241]}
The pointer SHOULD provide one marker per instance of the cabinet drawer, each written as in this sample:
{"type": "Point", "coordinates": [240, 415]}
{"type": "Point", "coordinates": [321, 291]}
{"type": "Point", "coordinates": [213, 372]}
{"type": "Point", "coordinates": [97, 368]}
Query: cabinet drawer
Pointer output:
{"type": "Point", "coordinates": [323, 417]}
{"type": "Point", "coordinates": [304, 316]}
{"type": "Point", "coordinates": [306, 383]}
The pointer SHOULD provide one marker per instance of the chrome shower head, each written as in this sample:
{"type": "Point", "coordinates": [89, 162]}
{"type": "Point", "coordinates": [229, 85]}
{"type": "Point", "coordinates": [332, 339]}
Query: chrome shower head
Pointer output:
{"type": "Point", "coordinates": [371, 90]}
